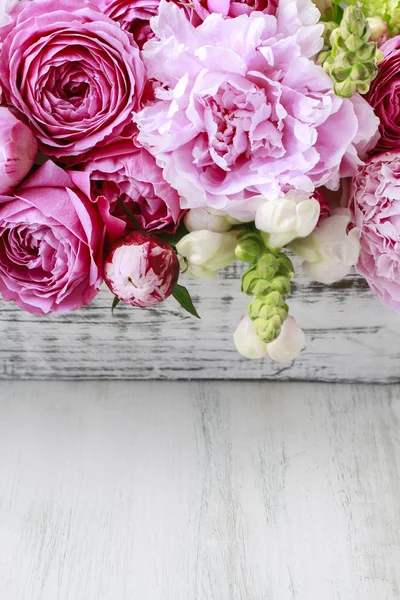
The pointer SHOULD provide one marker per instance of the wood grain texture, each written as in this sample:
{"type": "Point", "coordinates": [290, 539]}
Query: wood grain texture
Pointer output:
{"type": "Point", "coordinates": [199, 491]}
{"type": "Point", "coordinates": [350, 336]}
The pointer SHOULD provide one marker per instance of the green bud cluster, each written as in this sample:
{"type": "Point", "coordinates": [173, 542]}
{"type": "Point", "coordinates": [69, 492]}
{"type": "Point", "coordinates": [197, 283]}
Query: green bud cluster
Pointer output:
{"type": "Point", "coordinates": [353, 59]}
{"type": "Point", "coordinates": [387, 10]}
{"type": "Point", "coordinates": [268, 279]}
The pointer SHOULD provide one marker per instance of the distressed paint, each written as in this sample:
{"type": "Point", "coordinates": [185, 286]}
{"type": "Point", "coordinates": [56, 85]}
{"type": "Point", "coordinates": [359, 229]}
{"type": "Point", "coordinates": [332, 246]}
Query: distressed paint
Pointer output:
{"type": "Point", "coordinates": [350, 337]}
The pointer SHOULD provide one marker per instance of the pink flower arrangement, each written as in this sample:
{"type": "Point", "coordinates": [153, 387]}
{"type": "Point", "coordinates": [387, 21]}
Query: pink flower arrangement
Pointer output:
{"type": "Point", "coordinates": [177, 137]}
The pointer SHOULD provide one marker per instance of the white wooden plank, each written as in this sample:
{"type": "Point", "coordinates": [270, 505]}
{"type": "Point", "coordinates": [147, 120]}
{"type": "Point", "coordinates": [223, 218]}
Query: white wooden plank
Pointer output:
{"type": "Point", "coordinates": [350, 337]}
{"type": "Point", "coordinates": [191, 491]}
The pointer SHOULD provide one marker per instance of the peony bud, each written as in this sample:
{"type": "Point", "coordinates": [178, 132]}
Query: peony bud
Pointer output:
{"type": "Point", "coordinates": [287, 218]}
{"type": "Point", "coordinates": [141, 270]}
{"type": "Point", "coordinates": [206, 252]}
{"type": "Point", "coordinates": [246, 340]}
{"type": "Point", "coordinates": [207, 218]}
{"type": "Point", "coordinates": [330, 251]}
{"type": "Point", "coordinates": [19, 148]}
{"type": "Point", "coordinates": [289, 343]}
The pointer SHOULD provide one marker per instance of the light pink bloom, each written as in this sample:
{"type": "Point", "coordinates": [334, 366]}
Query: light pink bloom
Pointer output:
{"type": "Point", "coordinates": [141, 270]}
{"type": "Point", "coordinates": [234, 8]}
{"type": "Point", "coordinates": [72, 72]}
{"type": "Point", "coordinates": [51, 243]}
{"type": "Point", "coordinates": [375, 205]}
{"type": "Point", "coordinates": [126, 172]}
{"type": "Point", "coordinates": [18, 150]}
{"type": "Point", "coordinates": [243, 111]}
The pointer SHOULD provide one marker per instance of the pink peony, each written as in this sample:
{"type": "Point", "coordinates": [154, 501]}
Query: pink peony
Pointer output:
{"type": "Point", "coordinates": [51, 243]}
{"type": "Point", "coordinates": [141, 270]}
{"type": "Point", "coordinates": [127, 172]}
{"type": "Point", "coordinates": [72, 72]}
{"type": "Point", "coordinates": [375, 206]}
{"type": "Point", "coordinates": [18, 150]}
{"type": "Point", "coordinates": [234, 8]}
{"type": "Point", "coordinates": [384, 96]}
{"type": "Point", "coordinates": [243, 111]}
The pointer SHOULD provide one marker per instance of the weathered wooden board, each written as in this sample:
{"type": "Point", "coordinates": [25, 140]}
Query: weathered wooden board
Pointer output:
{"type": "Point", "coordinates": [350, 337]}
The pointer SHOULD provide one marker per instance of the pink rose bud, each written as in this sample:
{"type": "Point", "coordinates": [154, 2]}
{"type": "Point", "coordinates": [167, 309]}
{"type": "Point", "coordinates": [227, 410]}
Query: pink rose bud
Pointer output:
{"type": "Point", "coordinates": [141, 269]}
{"type": "Point", "coordinates": [18, 150]}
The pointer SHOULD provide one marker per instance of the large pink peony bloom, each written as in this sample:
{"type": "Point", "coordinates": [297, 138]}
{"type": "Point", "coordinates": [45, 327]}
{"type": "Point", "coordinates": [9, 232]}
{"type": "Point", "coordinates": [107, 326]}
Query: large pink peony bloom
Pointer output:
{"type": "Point", "coordinates": [243, 111]}
{"type": "Point", "coordinates": [125, 172]}
{"type": "Point", "coordinates": [234, 8]}
{"type": "Point", "coordinates": [51, 243]}
{"type": "Point", "coordinates": [72, 72]}
{"type": "Point", "coordinates": [375, 205]}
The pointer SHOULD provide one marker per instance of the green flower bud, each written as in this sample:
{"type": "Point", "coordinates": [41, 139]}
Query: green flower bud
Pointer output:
{"type": "Point", "coordinates": [248, 247]}
{"type": "Point", "coordinates": [268, 330]}
{"type": "Point", "coordinates": [267, 266]}
{"type": "Point", "coordinates": [281, 284]}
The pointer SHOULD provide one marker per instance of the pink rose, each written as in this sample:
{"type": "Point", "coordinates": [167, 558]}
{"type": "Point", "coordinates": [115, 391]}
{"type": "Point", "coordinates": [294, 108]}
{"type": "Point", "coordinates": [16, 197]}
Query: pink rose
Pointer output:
{"type": "Point", "coordinates": [234, 8]}
{"type": "Point", "coordinates": [51, 243]}
{"type": "Point", "coordinates": [243, 112]}
{"type": "Point", "coordinates": [375, 206]}
{"type": "Point", "coordinates": [72, 72]}
{"type": "Point", "coordinates": [18, 150]}
{"type": "Point", "coordinates": [141, 270]}
{"type": "Point", "coordinates": [126, 172]}
{"type": "Point", "coordinates": [133, 16]}
{"type": "Point", "coordinates": [384, 96]}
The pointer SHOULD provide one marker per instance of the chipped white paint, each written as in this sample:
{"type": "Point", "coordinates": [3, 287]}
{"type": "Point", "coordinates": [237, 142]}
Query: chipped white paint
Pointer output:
{"type": "Point", "coordinates": [350, 337]}
{"type": "Point", "coordinates": [199, 491]}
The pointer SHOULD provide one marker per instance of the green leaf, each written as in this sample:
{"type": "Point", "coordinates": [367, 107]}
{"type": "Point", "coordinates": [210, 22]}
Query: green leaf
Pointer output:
{"type": "Point", "coordinates": [115, 303]}
{"type": "Point", "coordinates": [181, 294]}
{"type": "Point", "coordinates": [130, 214]}
{"type": "Point", "coordinates": [173, 238]}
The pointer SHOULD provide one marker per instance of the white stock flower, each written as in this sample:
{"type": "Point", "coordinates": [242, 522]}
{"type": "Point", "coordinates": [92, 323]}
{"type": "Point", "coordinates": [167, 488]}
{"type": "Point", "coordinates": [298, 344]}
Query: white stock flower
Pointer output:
{"type": "Point", "coordinates": [289, 343]}
{"type": "Point", "coordinates": [247, 342]}
{"type": "Point", "coordinates": [206, 252]}
{"type": "Point", "coordinates": [330, 251]}
{"type": "Point", "coordinates": [207, 218]}
{"type": "Point", "coordinates": [287, 218]}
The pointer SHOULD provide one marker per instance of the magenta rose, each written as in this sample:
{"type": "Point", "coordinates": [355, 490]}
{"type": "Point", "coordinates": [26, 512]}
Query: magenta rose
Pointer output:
{"type": "Point", "coordinates": [141, 270]}
{"type": "Point", "coordinates": [384, 96]}
{"type": "Point", "coordinates": [18, 150]}
{"type": "Point", "coordinates": [72, 72]}
{"type": "Point", "coordinates": [51, 243]}
{"type": "Point", "coordinates": [375, 206]}
{"type": "Point", "coordinates": [234, 8]}
{"type": "Point", "coordinates": [124, 172]}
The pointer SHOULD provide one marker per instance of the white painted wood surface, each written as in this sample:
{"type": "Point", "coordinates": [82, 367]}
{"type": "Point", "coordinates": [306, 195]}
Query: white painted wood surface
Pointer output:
{"type": "Point", "coordinates": [350, 336]}
{"type": "Point", "coordinates": [199, 491]}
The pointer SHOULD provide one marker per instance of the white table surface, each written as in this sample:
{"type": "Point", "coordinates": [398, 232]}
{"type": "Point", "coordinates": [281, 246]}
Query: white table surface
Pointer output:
{"type": "Point", "coordinates": [199, 491]}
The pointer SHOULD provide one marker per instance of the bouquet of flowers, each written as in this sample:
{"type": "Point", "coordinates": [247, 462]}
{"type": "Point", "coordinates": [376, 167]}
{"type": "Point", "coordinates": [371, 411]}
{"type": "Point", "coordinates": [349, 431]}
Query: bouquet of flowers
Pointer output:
{"type": "Point", "coordinates": [145, 139]}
